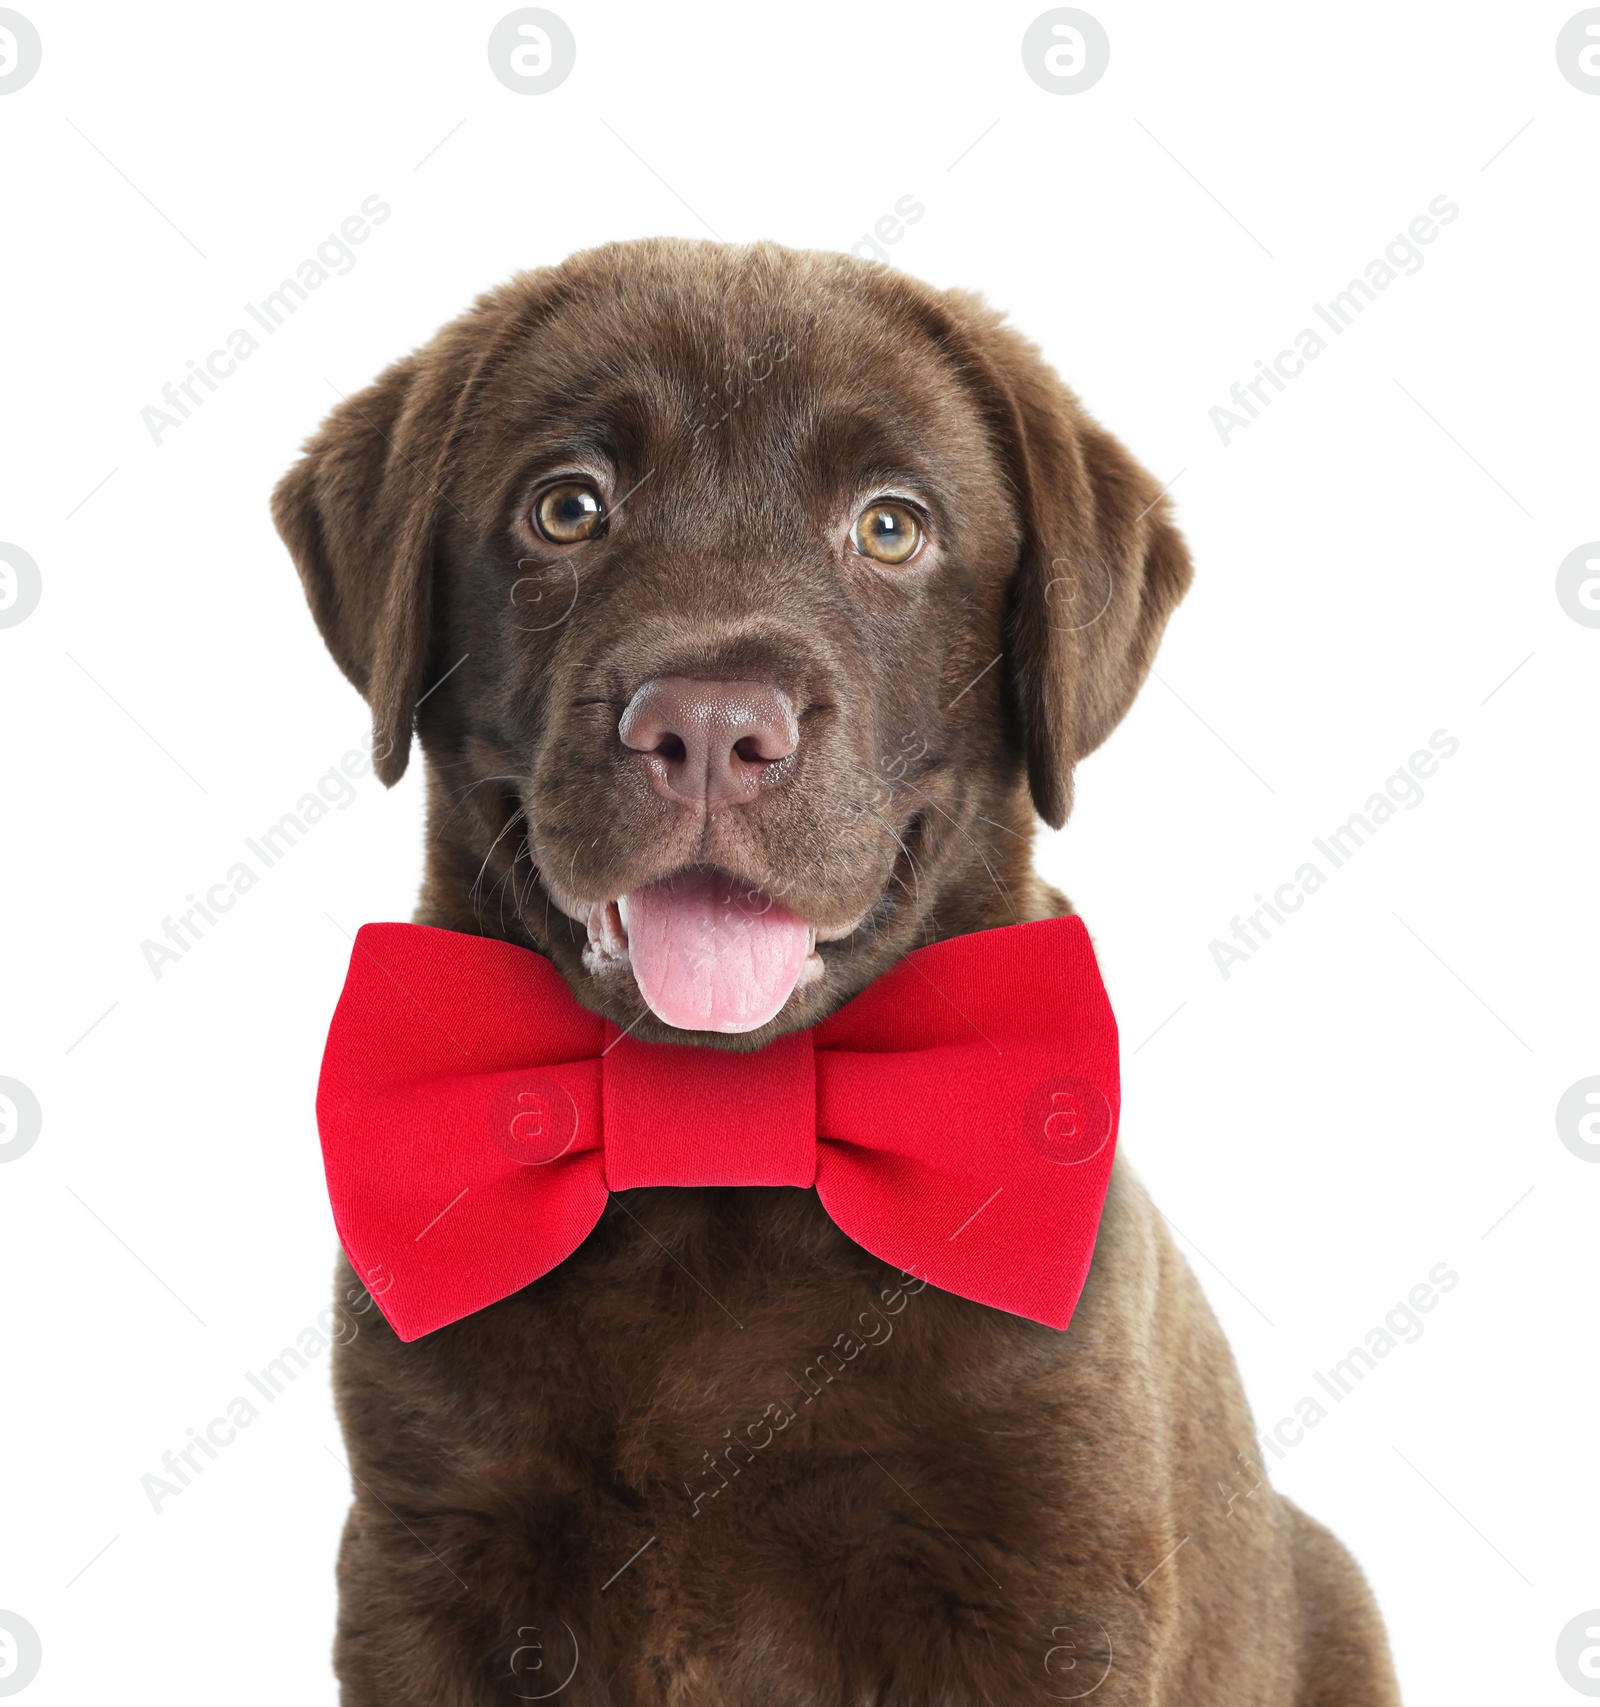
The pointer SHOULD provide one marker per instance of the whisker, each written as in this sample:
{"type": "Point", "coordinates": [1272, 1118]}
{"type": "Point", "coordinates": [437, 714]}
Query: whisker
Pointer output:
{"type": "Point", "coordinates": [915, 875]}
{"type": "Point", "coordinates": [473, 891]}
{"type": "Point", "coordinates": [457, 797]}
{"type": "Point", "coordinates": [1005, 894]}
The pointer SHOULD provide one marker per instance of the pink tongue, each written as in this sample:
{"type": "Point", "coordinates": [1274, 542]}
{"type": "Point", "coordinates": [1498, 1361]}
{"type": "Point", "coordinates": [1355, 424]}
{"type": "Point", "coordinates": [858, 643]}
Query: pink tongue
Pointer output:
{"type": "Point", "coordinates": [710, 954]}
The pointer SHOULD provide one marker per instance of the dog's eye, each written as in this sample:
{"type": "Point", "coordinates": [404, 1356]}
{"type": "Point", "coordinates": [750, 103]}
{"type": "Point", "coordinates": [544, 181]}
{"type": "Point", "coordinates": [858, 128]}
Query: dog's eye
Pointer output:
{"type": "Point", "coordinates": [887, 533]}
{"type": "Point", "coordinates": [569, 512]}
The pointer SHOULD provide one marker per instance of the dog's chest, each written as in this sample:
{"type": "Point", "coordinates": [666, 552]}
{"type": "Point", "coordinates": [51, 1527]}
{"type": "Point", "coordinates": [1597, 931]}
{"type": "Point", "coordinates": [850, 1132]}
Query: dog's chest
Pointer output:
{"type": "Point", "coordinates": [723, 1430]}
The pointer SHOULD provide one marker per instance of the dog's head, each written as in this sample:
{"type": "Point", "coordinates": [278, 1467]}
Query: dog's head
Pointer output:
{"type": "Point", "coordinates": [740, 599]}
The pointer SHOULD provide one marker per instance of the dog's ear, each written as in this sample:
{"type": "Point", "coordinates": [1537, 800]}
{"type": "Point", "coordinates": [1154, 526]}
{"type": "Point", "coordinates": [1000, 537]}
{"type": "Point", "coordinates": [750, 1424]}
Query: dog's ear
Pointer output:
{"type": "Point", "coordinates": [1100, 564]}
{"type": "Point", "coordinates": [360, 512]}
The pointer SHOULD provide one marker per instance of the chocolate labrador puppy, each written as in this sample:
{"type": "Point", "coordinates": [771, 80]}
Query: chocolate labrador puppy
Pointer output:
{"type": "Point", "coordinates": [707, 574]}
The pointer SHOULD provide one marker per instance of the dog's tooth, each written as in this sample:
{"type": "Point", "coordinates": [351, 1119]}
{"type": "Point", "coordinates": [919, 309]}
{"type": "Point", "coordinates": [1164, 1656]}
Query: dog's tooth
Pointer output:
{"type": "Point", "coordinates": [606, 935]}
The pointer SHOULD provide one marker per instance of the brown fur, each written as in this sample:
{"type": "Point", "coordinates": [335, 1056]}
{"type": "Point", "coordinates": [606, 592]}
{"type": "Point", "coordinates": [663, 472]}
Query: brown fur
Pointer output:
{"type": "Point", "coordinates": [849, 1491]}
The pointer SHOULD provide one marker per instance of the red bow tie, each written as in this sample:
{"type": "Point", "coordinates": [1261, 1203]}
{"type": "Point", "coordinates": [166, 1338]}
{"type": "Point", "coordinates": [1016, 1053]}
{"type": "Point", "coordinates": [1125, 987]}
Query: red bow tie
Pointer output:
{"type": "Point", "coordinates": [957, 1118]}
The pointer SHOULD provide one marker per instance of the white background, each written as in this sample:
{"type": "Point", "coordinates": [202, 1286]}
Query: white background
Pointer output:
{"type": "Point", "coordinates": [1370, 1094]}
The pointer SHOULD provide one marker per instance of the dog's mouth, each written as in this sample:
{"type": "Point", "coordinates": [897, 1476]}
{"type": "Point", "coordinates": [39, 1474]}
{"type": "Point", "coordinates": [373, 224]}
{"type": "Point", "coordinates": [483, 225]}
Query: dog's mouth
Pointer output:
{"type": "Point", "coordinates": [708, 951]}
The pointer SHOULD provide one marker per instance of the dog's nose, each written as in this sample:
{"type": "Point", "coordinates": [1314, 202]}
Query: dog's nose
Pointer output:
{"type": "Point", "coordinates": [709, 744]}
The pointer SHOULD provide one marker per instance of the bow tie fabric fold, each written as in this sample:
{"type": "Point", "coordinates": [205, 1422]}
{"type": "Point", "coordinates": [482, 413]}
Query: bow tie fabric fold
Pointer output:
{"type": "Point", "coordinates": [957, 1119]}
